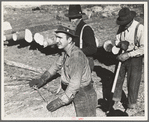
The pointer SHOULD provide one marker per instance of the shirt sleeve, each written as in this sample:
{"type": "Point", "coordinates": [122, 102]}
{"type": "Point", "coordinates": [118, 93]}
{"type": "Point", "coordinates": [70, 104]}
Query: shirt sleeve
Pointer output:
{"type": "Point", "coordinates": [89, 44]}
{"type": "Point", "coordinates": [57, 65]}
{"type": "Point", "coordinates": [139, 51]}
{"type": "Point", "coordinates": [117, 39]}
{"type": "Point", "coordinates": [76, 66]}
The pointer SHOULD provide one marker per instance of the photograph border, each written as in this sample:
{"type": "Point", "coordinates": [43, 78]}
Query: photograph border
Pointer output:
{"type": "Point", "coordinates": [145, 118]}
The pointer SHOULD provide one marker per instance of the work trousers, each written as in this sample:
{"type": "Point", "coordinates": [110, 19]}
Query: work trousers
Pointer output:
{"type": "Point", "coordinates": [85, 102]}
{"type": "Point", "coordinates": [133, 68]}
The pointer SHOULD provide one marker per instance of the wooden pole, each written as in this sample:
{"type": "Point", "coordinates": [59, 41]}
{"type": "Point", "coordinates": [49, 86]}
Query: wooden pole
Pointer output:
{"type": "Point", "coordinates": [114, 84]}
{"type": "Point", "coordinates": [116, 76]}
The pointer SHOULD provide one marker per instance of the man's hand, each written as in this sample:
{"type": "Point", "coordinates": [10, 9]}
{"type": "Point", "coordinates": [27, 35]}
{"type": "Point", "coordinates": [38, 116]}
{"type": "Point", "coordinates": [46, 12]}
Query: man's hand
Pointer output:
{"type": "Point", "coordinates": [42, 80]}
{"type": "Point", "coordinates": [108, 46]}
{"type": "Point", "coordinates": [123, 45]}
{"type": "Point", "coordinates": [123, 57]}
{"type": "Point", "coordinates": [55, 104]}
{"type": "Point", "coordinates": [36, 82]}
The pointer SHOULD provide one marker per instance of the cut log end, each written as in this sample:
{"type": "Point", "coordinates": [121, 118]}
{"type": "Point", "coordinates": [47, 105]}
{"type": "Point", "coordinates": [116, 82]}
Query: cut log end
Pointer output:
{"type": "Point", "coordinates": [14, 37]}
{"type": "Point", "coordinates": [45, 44]}
{"type": "Point", "coordinates": [28, 36]}
{"type": "Point", "coordinates": [4, 38]}
{"type": "Point", "coordinates": [6, 26]}
{"type": "Point", "coordinates": [39, 38]}
{"type": "Point", "coordinates": [7, 37]}
{"type": "Point", "coordinates": [19, 36]}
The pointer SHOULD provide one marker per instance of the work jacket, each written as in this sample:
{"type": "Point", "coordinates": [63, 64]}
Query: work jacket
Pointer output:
{"type": "Point", "coordinates": [75, 71]}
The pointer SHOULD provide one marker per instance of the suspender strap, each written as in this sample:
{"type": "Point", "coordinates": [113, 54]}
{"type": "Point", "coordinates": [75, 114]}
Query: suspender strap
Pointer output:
{"type": "Point", "coordinates": [135, 36]}
{"type": "Point", "coordinates": [81, 41]}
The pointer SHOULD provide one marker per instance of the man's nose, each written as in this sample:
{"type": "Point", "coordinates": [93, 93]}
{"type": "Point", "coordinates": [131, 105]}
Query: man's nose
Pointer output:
{"type": "Point", "coordinates": [57, 40]}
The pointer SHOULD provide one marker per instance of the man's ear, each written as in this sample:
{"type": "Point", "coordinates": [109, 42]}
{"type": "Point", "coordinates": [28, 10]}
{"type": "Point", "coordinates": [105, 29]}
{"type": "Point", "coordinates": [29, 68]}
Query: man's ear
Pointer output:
{"type": "Point", "coordinates": [69, 39]}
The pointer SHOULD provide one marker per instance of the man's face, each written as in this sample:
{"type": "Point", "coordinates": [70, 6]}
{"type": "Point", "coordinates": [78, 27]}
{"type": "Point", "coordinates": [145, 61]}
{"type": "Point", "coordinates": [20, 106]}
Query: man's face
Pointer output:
{"type": "Point", "coordinates": [62, 41]}
{"type": "Point", "coordinates": [74, 21]}
{"type": "Point", "coordinates": [127, 25]}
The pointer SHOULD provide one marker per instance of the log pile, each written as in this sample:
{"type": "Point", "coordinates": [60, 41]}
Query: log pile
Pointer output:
{"type": "Point", "coordinates": [41, 33]}
{"type": "Point", "coordinates": [45, 38]}
{"type": "Point", "coordinates": [31, 31]}
{"type": "Point", "coordinates": [18, 35]}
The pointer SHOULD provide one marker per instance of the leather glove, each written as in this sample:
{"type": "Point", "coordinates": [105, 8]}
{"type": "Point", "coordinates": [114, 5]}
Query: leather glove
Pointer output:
{"type": "Point", "coordinates": [123, 45]}
{"type": "Point", "coordinates": [55, 104]}
{"type": "Point", "coordinates": [108, 46]}
{"type": "Point", "coordinates": [39, 82]}
{"type": "Point", "coordinates": [123, 57]}
{"type": "Point", "coordinates": [36, 82]}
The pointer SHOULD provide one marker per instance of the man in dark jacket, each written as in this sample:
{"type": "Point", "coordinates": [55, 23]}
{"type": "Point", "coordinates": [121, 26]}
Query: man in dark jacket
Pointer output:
{"type": "Point", "coordinates": [88, 39]}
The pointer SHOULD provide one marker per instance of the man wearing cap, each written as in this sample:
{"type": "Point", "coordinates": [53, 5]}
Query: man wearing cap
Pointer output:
{"type": "Point", "coordinates": [75, 75]}
{"type": "Point", "coordinates": [89, 46]}
{"type": "Point", "coordinates": [131, 41]}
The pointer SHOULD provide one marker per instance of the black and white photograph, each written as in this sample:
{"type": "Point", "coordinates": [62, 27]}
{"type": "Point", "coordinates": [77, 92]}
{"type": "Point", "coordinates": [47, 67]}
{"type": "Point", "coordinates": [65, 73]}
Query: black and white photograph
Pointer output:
{"type": "Point", "coordinates": [74, 60]}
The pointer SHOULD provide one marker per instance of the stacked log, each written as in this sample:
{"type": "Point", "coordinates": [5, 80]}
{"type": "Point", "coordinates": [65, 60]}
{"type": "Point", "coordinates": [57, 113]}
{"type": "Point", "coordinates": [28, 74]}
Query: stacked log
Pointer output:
{"type": "Point", "coordinates": [30, 32]}
{"type": "Point", "coordinates": [7, 37]}
{"type": "Point", "coordinates": [7, 31]}
{"type": "Point", "coordinates": [45, 38]}
{"type": "Point", "coordinates": [11, 33]}
{"type": "Point", "coordinates": [18, 35]}
{"type": "Point", "coordinates": [20, 24]}
{"type": "Point", "coordinates": [6, 26]}
{"type": "Point", "coordinates": [23, 29]}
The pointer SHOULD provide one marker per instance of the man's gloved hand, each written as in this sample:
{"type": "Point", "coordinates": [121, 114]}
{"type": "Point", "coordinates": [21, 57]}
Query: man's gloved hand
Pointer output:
{"type": "Point", "coordinates": [123, 57]}
{"type": "Point", "coordinates": [123, 45]}
{"type": "Point", "coordinates": [36, 82]}
{"type": "Point", "coordinates": [55, 104]}
{"type": "Point", "coordinates": [42, 80]}
{"type": "Point", "coordinates": [108, 46]}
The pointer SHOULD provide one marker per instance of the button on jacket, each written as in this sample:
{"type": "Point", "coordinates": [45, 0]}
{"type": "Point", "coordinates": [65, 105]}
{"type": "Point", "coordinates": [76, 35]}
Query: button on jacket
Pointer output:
{"type": "Point", "coordinates": [75, 71]}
